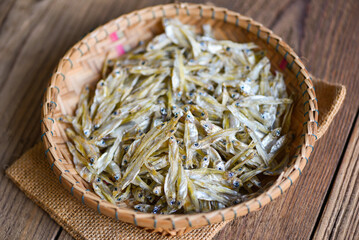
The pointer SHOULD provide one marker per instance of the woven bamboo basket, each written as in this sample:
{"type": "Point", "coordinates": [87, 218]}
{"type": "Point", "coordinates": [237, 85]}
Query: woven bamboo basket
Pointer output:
{"type": "Point", "coordinates": [82, 64]}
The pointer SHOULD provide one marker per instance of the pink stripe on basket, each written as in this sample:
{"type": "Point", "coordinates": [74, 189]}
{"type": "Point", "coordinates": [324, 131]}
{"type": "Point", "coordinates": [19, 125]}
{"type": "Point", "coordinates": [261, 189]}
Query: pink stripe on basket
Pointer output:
{"type": "Point", "coordinates": [120, 50]}
{"type": "Point", "coordinates": [113, 36]}
{"type": "Point", "coordinates": [283, 64]}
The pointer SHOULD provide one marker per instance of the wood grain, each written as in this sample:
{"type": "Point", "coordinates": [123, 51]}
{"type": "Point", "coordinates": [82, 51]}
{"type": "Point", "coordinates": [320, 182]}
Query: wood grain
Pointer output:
{"type": "Point", "coordinates": [322, 33]}
{"type": "Point", "coordinates": [35, 34]}
{"type": "Point", "coordinates": [65, 236]}
{"type": "Point", "coordinates": [340, 217]}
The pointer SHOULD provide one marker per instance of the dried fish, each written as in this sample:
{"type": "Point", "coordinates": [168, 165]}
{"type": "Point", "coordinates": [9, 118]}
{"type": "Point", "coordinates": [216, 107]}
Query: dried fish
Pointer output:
{"type": "Point", "coordinates": [185, 123]}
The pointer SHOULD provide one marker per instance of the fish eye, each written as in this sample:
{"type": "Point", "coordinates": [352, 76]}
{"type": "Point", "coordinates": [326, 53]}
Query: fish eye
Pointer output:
{"type": "Point", "coordinates": [230, 174]}
{"type": "Point", "coordinates": [171, 137]}
{"type": "Point", "coordinates": [202, 114]}
{"type": "Point", "coordinates": [172, 130]}
{"type": "Point", "coordinates": [119, 199]}
{"type": "Point", "coordinates": [233, 95]}
{"type": "Point", "coordinates": [117, 177]}
{"type": "Point", "coordinates": [92, 160]}
{"type": "Point", "coordinates": [140, 195]}
{"type": "Point", "coordinates": [98, 179]}
{"type": "Point", "coordinates": [172, 202]}
{"type": "Point", "coordinates": [205, 159]}
{"type": "Point", "coordinates": [236, 184]}
{"type": "Point", "coordinates": [184, 157]}
{"type": "Point", "coordinates": [125, 161]}
{"type": "Point", "coordinates": [228, 49]}
{"type": "Point", "coordinates": [220, 168]}
{"type": "Point", "coordinates": [196, 144]}
{"type": "Point", "coordinates": [115, 189]}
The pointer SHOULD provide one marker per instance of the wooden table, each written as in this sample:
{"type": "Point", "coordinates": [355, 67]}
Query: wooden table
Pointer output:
{"type": "Point", "coordinates": [325, 33]}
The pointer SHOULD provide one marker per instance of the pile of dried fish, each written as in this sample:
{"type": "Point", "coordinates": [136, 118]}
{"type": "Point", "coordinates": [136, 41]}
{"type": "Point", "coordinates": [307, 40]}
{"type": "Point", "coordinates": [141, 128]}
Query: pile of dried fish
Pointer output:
{"type": "Point", "coordinates": [184, 123]}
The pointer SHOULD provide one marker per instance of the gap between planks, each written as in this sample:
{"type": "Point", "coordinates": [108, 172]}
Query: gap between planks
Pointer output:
{"type": "Point", "coordinates": [339, 218]}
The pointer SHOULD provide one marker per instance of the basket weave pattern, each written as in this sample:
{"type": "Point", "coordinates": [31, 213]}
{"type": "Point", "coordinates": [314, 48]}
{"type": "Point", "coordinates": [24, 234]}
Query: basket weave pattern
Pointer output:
{"type": "Point", "coordinates": [82, 65]}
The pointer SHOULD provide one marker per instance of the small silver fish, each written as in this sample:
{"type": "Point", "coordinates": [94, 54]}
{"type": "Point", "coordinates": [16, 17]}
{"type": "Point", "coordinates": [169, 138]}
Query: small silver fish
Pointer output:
{"type": "Point", "coordinates": [183, 123]}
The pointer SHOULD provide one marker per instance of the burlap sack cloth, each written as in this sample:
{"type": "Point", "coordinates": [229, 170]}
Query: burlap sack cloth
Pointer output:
{"type": "Point", "coordinates": [33, 175]}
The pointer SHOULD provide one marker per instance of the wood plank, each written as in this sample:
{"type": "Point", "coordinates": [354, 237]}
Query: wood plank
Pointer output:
{"type": "Point", "coordinates": [20, 218]}
{"type": "Point", "coordinates": [293, 216]}
{"type": "Point", "coordinates": [322, 32]}
{"type": "Point", "coordinates": [34, 36]}
{"type": "Point", "coordinates": [65, 236]}
{"type": "Point", "coordinates": [340, 219]}
{"type": "Point", "coordinates": [5, 7]}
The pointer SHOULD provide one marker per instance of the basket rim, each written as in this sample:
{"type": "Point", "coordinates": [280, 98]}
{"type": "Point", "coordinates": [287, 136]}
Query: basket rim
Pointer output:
{"type": "Point", "coordinates": [168, 223]}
